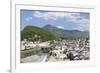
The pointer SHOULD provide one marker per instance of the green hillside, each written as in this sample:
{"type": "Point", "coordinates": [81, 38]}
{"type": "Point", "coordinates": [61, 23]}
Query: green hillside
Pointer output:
{"type": "Point", "coordinates": [33, 33]}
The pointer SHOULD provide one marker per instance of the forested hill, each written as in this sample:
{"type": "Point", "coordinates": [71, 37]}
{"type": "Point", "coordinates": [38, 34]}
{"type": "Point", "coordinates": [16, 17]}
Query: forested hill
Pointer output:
{"type": "Point", "coordinates": [33, 33]}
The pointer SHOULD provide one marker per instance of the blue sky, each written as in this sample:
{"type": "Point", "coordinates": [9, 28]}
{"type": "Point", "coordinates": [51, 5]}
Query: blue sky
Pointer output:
{"type": "Point", "coordinates": [63, 20]}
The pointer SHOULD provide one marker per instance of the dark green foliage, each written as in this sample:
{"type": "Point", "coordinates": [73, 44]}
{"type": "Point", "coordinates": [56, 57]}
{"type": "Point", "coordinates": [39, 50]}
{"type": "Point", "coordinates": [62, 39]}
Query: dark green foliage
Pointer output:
{"type": "Point", "coordinates": [33, 33]}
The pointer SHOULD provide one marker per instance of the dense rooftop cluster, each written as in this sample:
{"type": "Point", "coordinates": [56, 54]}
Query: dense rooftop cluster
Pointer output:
{"type": "Point", "coordinates": [57, 50]}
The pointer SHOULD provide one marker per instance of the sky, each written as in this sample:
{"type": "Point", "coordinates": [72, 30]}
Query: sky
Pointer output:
{"type": "Point", "coordinates": [63, 20]}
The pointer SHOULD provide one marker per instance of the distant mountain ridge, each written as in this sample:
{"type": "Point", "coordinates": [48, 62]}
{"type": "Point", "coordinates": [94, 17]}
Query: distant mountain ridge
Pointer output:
{"type": "Point", "coordinates": [67, 34]}
{"type": "Point", "coordinates": [50, 32]}
{"type": "Point", "coordinates": [51, 26]}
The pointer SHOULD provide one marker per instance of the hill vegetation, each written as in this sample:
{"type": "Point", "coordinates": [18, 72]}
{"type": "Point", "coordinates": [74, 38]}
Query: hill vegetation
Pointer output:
{"type": "Point", "coordinates": [33, 33]}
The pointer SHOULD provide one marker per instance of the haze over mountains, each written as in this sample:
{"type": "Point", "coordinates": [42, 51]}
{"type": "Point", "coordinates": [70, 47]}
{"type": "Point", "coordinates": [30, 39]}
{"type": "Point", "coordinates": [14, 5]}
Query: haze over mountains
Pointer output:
{"type": "Point", "coordinates": [67, 34]}
{"type": "Point", "coordinates": [50, 32]}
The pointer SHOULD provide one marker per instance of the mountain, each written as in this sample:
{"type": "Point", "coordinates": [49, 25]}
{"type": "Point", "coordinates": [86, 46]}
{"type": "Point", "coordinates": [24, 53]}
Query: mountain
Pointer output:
{"type": "Point", "coordinates": [66, 34]}
{"type": "Point", "coordinates": [50, 32]}
{"type": "Point", "coordinates": [33, 33]}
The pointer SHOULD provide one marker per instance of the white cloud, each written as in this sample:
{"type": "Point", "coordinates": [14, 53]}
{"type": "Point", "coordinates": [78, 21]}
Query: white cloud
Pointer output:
{"type": "Point", "coordinates": [28, 18]}
{"type": "Point", "coordinates": [56, 15]}
{"type": "Point", "coordinates": [72, 16]}
{"type": "Point", "coordinates": [61, 27]}
{"type": "Point", "coordinates": [49, 15]}
{"type": "Point", "coordinates": [81, 22]}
